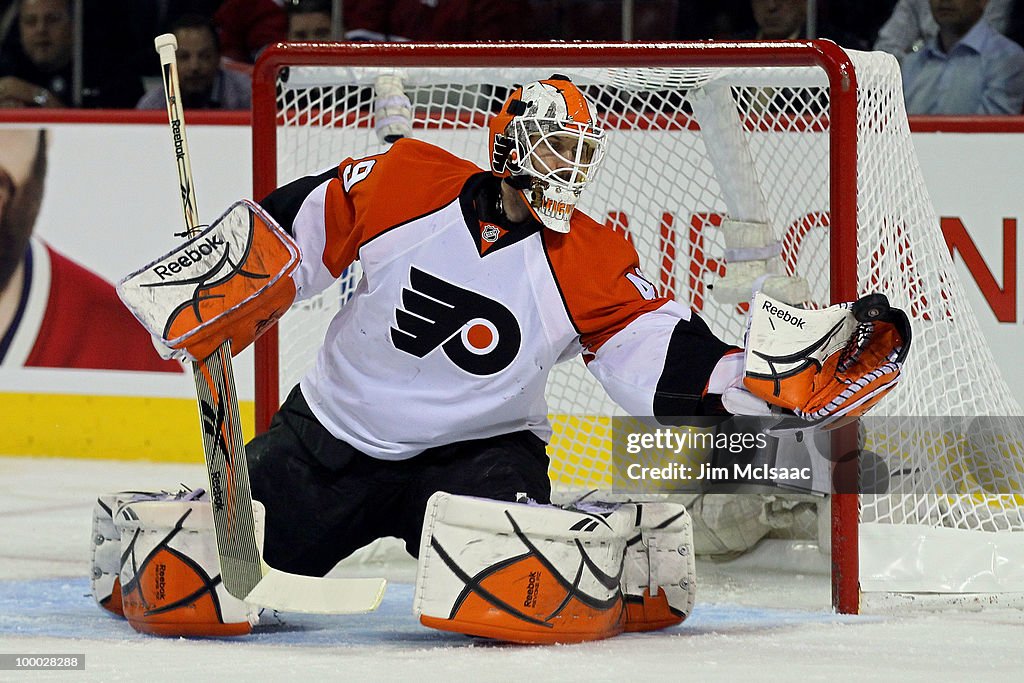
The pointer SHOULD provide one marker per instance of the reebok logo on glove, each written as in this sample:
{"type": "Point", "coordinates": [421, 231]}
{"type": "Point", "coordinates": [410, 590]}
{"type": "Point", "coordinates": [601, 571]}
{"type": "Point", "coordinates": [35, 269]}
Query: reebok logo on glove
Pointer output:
{"type": "Point", "coordinates": [190, 256]}
{"type": "Point", "coordinates": [784, 316]}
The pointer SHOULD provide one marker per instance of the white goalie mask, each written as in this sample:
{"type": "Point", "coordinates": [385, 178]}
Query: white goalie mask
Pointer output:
{"type": "Point", "coordinates": [546, 141]}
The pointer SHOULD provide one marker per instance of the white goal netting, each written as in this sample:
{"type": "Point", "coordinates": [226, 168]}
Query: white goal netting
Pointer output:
{"type": "Point", "coordinates": [687, 148]}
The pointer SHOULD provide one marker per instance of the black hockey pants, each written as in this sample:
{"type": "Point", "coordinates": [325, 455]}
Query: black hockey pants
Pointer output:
{"type": "Point", "coordinates": [325, 500]}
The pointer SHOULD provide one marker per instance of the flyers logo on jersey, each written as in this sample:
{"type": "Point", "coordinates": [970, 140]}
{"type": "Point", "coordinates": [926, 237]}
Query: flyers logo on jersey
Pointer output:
{"type": "Point", "coordinates": [477, 333]}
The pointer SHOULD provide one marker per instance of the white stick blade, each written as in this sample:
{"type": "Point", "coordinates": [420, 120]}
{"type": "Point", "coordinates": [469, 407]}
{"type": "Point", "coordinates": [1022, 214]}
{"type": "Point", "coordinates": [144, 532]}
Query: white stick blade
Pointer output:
{"type": "Point", "coordinates": [313, 595]}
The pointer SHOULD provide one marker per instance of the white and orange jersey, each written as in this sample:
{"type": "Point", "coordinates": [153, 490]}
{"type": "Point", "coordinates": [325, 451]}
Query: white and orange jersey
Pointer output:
{"type": "Point", "coordinates": [459, 316]}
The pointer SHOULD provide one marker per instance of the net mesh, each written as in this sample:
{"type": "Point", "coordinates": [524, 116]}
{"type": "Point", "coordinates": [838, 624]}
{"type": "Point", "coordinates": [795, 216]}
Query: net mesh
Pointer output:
{"type": "Point", "coordinates": [686, 148]}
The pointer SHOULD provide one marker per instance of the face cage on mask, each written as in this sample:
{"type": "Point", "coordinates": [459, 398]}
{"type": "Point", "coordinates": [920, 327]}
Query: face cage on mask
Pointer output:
{"type": "Point", "coordinates": [570, 173]}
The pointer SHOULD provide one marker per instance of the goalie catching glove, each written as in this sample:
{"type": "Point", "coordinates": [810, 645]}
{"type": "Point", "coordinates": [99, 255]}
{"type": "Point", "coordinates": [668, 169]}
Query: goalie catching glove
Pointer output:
{"type": "Point", "coordinates": [822, 364]}
{"type": "Point", "coordinates": [232, 281]}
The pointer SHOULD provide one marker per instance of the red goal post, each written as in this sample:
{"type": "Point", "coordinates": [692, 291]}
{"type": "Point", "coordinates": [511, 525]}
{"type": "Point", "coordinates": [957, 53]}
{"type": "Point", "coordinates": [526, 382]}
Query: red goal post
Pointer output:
{"type": "Point", "coordinates": [793, 157]}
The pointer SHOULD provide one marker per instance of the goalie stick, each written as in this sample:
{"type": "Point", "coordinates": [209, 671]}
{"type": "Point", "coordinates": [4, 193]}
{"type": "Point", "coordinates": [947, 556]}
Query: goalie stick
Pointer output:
{"type": "Point", "coordinates": [245, 573]}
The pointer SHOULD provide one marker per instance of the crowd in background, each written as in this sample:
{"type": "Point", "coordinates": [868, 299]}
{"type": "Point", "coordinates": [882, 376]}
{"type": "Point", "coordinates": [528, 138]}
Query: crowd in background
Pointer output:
{"type": "Point", "coordinates": [957, 56]}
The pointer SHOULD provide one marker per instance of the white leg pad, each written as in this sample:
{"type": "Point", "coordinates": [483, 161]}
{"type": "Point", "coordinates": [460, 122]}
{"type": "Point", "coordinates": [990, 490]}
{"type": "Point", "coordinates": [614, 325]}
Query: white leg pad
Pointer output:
{"type": "Point", "coordinates": [106, 546]}
{"type": "Point", "coordinates": [170, 571]}
{"type": "Point", "coordinates": [519, 572]}
{"type": "Point", "coordinates": [659, 578]}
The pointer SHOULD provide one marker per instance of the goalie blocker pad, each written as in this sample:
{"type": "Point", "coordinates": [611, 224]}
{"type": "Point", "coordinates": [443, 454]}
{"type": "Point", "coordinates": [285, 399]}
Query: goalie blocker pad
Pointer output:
{"type": "Point", "coordinates": [825, 363]}
{"type": "Point", "coordinates": [232, 281]}
{"type": "Point", "coordinates": [170, 572]}
{"type": "Point", "coordinates": [532, 573]}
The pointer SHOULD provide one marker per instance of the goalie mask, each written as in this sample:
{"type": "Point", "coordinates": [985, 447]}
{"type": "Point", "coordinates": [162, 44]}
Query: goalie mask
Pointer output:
{"type": "Point", "coordinates": [546, 142]}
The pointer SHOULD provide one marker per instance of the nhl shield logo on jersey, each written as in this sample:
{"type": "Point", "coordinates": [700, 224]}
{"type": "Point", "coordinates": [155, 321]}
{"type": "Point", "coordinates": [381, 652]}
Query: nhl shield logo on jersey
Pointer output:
{"type": "Point", "coordinates": [478, 334]}
{"type": "Point", "coordinates": [490, 232]}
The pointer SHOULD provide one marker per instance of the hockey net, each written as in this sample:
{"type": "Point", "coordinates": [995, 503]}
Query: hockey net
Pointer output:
{"type": "Point", "coordinates": [803, 136]}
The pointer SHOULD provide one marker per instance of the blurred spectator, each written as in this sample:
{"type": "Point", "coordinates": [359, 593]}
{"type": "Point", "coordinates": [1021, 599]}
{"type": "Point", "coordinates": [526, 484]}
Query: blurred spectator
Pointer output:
{"type": "Point", "coordinates": [36, 59]}
{"type": "Point", "coordinates": [53, 312]}
{"type": "Point", "coordinates": [1015, 23]}
{"type": "Point", "coordinates": [161, 14]}
{"type": "Point", "coordinates": [247, 26]}
{"type": "Point", "coordinates": [309, 20]}
{"type": "Point", "coordinates": [602, 19]}
{"type": "Point", "coordinates": [401, 20]}
{"type": "Point", "coordinates": [150, 18]}
{"type": "Point", "coordinates": [911, 25]}
{"type": "Point", "coordinates": [967, 68]}
{"type": "Point", "coordinates": [702, 20]}
{"type": "Point", "coordinates": [205, 84]}
{"type": "Point", "coordinates": [779, 19]}
{"type": "Point", "coordinates": [862, 18]}
{"type": "Point", "coordinates": [787, 20]}
{"type": "Point", "coordinates": [7, 12]}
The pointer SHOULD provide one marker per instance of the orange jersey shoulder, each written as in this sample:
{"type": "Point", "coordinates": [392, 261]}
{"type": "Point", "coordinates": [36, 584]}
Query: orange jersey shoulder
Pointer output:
{"type": "Point", "coordinates": [376, 193]}
{"type": "Point", "coordinates": [598, 274]}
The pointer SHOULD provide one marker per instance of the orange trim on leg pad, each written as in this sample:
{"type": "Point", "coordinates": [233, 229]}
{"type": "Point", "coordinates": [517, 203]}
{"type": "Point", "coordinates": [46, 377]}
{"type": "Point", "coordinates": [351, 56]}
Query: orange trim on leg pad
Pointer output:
{"type": "Point", "coordinates": [112, 603]}
{"type": "Point", "coordinates": [648, 613]}
{"type": "Point", "coordinates": [172, 596]}
{"type": "Point", "coordinates": [170, 580]}
{"type": "Point", "coordinates": [523, 573]}
{"type": "Point", "coordinates": [524, 602]}
{"type": "Point", "coordinates": [659, 576]}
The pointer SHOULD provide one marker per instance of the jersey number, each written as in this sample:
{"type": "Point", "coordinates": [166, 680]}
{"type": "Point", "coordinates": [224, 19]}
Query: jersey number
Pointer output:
{"type": "Point", "coordinates": [642, 284]}
{"type": "Point", "coordinates": [353, 173]}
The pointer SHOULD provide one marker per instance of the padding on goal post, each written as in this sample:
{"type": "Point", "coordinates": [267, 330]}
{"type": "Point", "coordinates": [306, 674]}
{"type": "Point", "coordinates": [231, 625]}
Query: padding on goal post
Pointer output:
{"type": "Point", "coordinates": [801, 136]}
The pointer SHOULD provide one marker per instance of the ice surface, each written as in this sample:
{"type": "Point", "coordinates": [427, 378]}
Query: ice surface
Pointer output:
{"type": "Point", "coordinates": [746, 626]}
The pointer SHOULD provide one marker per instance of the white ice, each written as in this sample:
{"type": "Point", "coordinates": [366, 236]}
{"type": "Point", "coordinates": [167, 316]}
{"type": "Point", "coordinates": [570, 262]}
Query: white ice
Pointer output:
{"type": "Point", "coordinates": [746, 626]}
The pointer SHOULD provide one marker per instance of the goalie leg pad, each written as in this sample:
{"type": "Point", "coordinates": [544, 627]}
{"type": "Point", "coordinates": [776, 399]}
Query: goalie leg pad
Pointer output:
{"type": "Point", "coordinates": [105, 582]}
{"type": "Point", "coordinates": [170, 571]}
{"type": "Point", "coordinates": [521, 573]}
{"type": "Point", "coordinates": [659, 576]}
{"type": "Point", "coordinates": [106, 552]}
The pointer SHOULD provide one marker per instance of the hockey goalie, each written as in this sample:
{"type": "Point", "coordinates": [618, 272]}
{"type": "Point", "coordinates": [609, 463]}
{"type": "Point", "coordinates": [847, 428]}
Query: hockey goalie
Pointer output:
{"type": "Point", "coordinates": [424, 415]}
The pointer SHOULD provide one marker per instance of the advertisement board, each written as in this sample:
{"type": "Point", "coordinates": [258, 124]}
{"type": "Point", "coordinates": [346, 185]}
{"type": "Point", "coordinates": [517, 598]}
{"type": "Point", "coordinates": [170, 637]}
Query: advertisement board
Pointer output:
{"type": "Point", "coordinates": [108, 204]}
